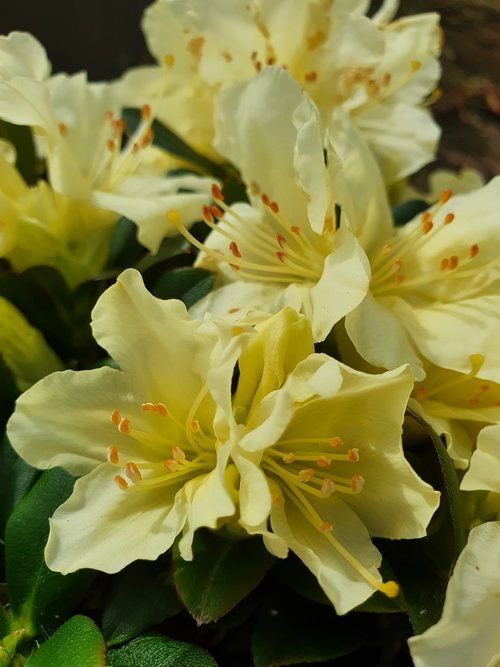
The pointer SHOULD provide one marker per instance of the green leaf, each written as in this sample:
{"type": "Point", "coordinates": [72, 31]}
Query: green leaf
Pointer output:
{"type": "Point", "coordinates": [291, 632]}
{"type": "Point", "coordinates": [188, 284]}
{"type": "Point", "coordinates": [405, 212]}
{"type": "Point", "coordinates": [22, 138]}
{"type": "Point", "coordinates": [424, 566]}
{"type": "Point", "coordinates": [220, 575]}
{"type": "Point", "coordinates": [16, 479]}
{"type": "Point", "coordinates": [170, 142]}
{"type": "Point", "coordinates": [170, 247]}
{"type": "Point", "coordinates": [4, 622]}
{"type": "Point", "coordinates": [124, 248]}
{"type": "Point", "coordinates": [8, 393]}
{"type": "Point", "coordinates": [77, 643]}
{"type": "Point", "coordinates": [450, 491]}
{"type": "Point", "coordinates": [142, 595]}
{"type": "Point", "coordinates": [160, 652]}
{"type": "Point", "coordinates": [39, 597]}
{"type": "Point", "coordinates": [293, 573]}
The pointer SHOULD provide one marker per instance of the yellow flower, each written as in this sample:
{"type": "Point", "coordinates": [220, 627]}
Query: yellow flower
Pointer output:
{"type": "Point", "coordinates": [375, 70]}
{"type": "Point", "coordinates": [306, 453]}
{"type": "Point", "coordinates": [467, 633]}
{"type": "Point", "coordinates": [80, 131]}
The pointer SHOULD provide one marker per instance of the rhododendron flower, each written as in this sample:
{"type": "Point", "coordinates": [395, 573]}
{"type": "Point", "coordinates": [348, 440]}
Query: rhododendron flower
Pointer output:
{"type": "Point", "coordinates": [484, 471]}
{"type": "Point", "coordinates": [467, 634]}
{"type": "Point", "coordinates": [434, 290]}
{"type": "Point", "coordinates": [41, 227]}
{"type": "Point", "coordinates": [377, 71]}
{"type": "Point", "coordinates": [306, 452]}
{"type": "Point", "coordinates": [283, 248]}
{"type": "Point", "coordinates": [458, 405]}
{"type": "Point", "coordinates": [80, 131]}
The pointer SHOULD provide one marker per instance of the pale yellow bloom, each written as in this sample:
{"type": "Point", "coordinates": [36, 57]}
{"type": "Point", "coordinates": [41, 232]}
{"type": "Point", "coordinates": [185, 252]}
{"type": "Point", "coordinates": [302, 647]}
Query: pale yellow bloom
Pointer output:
{"type": "Point", "coordinates": [23, 348]}
{"type": "Point", "coordinates": [461, 182]}
{"type": "Point", "coordinates": [484, 471]}
{"type": "Point", "coordinates": [164, 447]}
{"type": "Point", "coordinates": [467, 633]}
{"type": "Point", "coordinates": [79, 130]}
{"type": "Point", "coordinates": [283, 248]}
{"type": "Point", "coordinates": [377, 71]}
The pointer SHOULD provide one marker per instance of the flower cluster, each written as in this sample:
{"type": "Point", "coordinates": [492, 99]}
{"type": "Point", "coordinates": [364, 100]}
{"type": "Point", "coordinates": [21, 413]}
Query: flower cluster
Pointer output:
{"type": "Point", "coordinates": [296, 398]}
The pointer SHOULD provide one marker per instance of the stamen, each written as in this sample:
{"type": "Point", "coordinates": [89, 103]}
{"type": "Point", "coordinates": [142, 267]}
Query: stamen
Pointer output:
{"type": "Point", "coordinates": [281, 240]}
{"type": "Point", "coordinates": [195, 426]}
{"type": "Point", "coordinates": [216, 193]}
{"type": "Point", "coordinates": [357, 483]}
{"type": "Point", "coordinates": [445, 196]}
{"type": "Point", "coordinates": [157, 408]}
{"type": "Point", "coordinates": [112, 455]}
{"type": "Point", "coordinates": [311, 77]}
{"type": "Point", "coordinates": [306, 474]}
{"type": "Point", "coordinates": [386, 79]}
{"type": "Point", "coordinates": [288, 458]}
{"type": "Point", "coordinates": [233, 247]}
{"type": "Point", "coordinates": [120, 482]}
{"type": "Point", "coordinates": [453, 262]}
{"type": "Point", "coordinates": [444, 264]}
{"type": "Point", "coordinates": [110, 145]}
{"type": "Point", "coordinates": [449, 217]}
{"type": "Point", "coordinates": [133, 472]}
{"type": "Point", "coordinates": [171, 464]}
{"type": "Point", "coordinates": [473, 250]}
{"type": "Point", "coordinates": [325, 527]}
{"type": "Point", "coordinates": [169, 60]}
{"type": "Point", "coordinates": [178, 454]}
{"type": "Point", "coordinates": [336, 442]}
{"type": "Point", "coordinates": [476, 362]}
{"type": "Point", "coordinates": [353, 455]}
{"type": "Point", "coordinates": [415, 65]}
{"type": "Point", "coordinates": [427, 226]}
{"type": "Point", "coordinates": [125, 426]}
{"type": "Point", "coordinates": [323, 462]}
{"type": "Point", "coordinates": [62, 129]}
{"type": "Point", "coordinates": [115, 417]}
{"type": "Point", "coordinates": [327, 487]}
{"type": "Point", "coordinates": [145, 112]}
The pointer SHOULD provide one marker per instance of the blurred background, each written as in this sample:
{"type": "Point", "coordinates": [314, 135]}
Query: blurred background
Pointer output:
{"type": "Point", "coordinates": [104, 37]}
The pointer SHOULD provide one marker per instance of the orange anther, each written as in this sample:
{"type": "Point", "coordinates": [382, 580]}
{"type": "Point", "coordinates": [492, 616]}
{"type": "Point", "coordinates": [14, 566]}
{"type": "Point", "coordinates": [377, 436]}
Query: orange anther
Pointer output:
{"type": "Point", "coordinates": [235, 267]}
{"type": "Point", "coordinates": [115, 417]}
{"type": "Point", "coordinates": [119, 124]}
{"type": "Point", "coordinates": [445, 196]}
{"type": "Point", "coordinates": [207, 214]}
{"type": "Point", "coordinates": [336, 442]}
{"type": "Point", "coordinates": [195, 426]}
{"type": "Point", "coordinates": [399, 279]}
{"type": "Point", "coordinates": [216, 212]}
{"type": "Point", "coordinates": [169, 60]}
{"type": "Point", "coordinates": [306, 474]}
{"type": "Point", "coordinates": [274, 207]}
{"type": "Point", "coordinates": [133, 472]}
{"type": "Point", "coordinates": [372, 88]}
{"type": "Point", "coordinates": [327, 487]}
{"type": "Point", "coordinates": [62, 129]}
{"type": "Point", "coordinates": [444, 264]}
{"type": "Point", "coordinates": [325, 527]}
{"type": "Point", "coordinates": [109, 115]}
{"type": "Point", "coordinates": [233, 247]}
{"type": "Point", "coordinates": [353, 455]}
{"type": "Point", "coordinates": [271, 60]}
{"type": "Point", "coordinates": [288, 458]}
{"type": "Point", "coordinates": [415, 65]}
{"type": "Point", "coordinates": [473, 250]}
{"type": "Point", "coordinates": [421, 393]}
{"type": "Point", "coordinates": [145, 112]}
{"type": "Point", "coordinates": [216, 193]}
{"type": "Point", "coordinates": [295, 230]}
{"type": "Point", "coordinates": [171, 465]}
{"type": "Point", "coordinates": [120, 482]}
{"type": "Point", "coordinates": [265, 199]}
{"type": "Point", "coordinates": [281, 240]}
{"type": "Point", "coordinates": [110, 145]}
{"type": "Point", "coordinates": [275, 500]}
{"type": "Point", "coordinates": [453, 262]}
{"type": "Point", "coordinates": [113, 454]}
{"type": "Point", "coordinates": [449, 217]}
{"type": "Point", "coordinates": [311, 77]}
{"type": "Point", "coordinates": [178, 454]}
{"type": "Point", "coordinates": [357, 483]}
{"type": "Point", "coordinates": [323, 462]}
{"type": "Point", "coordinates": [396, 266]}
{"type": "Point", "coordinates": [124, 426]}
{"type": "Point", "coordinates": [280, 255]}
{"type": "Point", "coordinates": [386, 79]}
{"type": "Point", "coordinates": [386, 249]}
{"type": "Point", "coordinates": [427, 225]}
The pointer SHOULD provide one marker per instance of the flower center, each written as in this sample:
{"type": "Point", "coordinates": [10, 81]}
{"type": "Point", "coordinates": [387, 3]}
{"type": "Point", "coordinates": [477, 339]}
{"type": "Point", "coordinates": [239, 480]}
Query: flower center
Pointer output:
{"type": "Point", "coordinates": [302, 472]}
{"type": "Point", "coordinates": [408, 263]}
{"type": "Point", "coordinates": [275, 252]}
{"type": "Point", "coordinates": [170, 454]}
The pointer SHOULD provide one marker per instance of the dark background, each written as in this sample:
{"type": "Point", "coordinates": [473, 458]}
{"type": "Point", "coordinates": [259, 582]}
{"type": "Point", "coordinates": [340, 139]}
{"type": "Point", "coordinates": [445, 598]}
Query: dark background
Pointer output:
{"type": "Point", "coordinates": [104, 37]}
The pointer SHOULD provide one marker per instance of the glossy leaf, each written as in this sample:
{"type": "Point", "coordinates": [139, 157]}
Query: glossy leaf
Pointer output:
{"type": "Point", "coordinates": [22, 138]}
{"type": "Point", "coordinates": [142, 595]}
{"type": "Point", "coordinates": [221, 574]}
{"type": "Point", "coordinates": [170, 142]}
{"type": "Point", "coordinates": [160, 652]}
{"type": "Point", "coordinates": [124, 248]}
{"type": "Point", "coordinates": [77, 643]}
{"type": "Point", "coordinates": [39, 597]}
{"type": "Point", "coordinates": [188, 284]}
{"type": "Point", "coordinates": [16, 479]}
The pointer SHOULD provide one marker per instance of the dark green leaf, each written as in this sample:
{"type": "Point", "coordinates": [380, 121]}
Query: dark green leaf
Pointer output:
{"type": "Point", "coordinates": [21, 137]}
{"type": "Point", "coordinates": [166, 139]}
{"type": "Point", "coordinates": [294, 574]}
{"type": "Point", "coordinates": [159, 652]}
{"type": "Point", "coordinates": [143, 595]}
{"type": "Point", "coordinates": [403, 213]}
{"type": "Point", "coordinates": [295, 632]}
{"type": "Point", "coordinates": [188, 284]}
{"type": "Point", "coordinates": [16, 479]}
{"type": "Point", "coordinates": [77, 643]}
{"type": "Point", "coordinates": [170, 247]}
{"type": "Point", "coordinates": [8, 393]}
{"type": "Point", "coordinates": [124, 248]}
{"type": "Point", "coordinates": [220, 575]}
{"type": "Point", "coordinates": [4, 622]}
{"type": "Point", "coordinates": [39, 597]}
